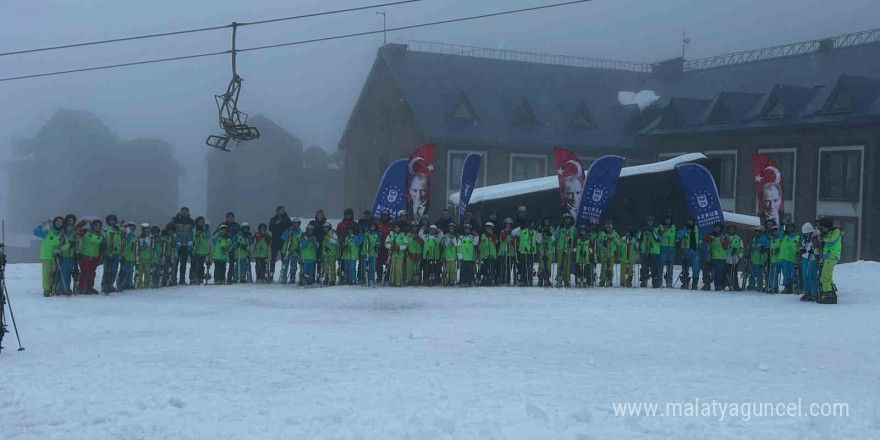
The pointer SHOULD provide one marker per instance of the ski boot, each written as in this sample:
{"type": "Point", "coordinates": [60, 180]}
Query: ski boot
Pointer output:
{"type": "Point", "coordinates": [788, 289]}
{"type": "Point", "coordinates": [707, 286]}
{"type": "Point", "coordinates": [694, 283]}
{"type": "Point", "coordinates": [685, 283]}
{"type": "Point", "coordinates": [827, 297]}
{"type": "Point", "coordinates": [808, 298]}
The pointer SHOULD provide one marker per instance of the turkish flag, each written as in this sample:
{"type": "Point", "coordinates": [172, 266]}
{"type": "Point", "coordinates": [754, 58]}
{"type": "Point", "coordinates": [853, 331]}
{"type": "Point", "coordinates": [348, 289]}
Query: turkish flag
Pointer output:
{"type": "Point", "coordinates": [769, 195]}
{"type": "Point", "coordinates": [419, 174]}
{"type": "Point", "coordinates": [570, 173]}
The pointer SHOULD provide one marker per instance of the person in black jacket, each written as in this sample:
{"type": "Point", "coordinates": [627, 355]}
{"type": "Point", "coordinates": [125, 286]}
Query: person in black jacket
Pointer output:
{"type": "Point", "coordinates": [183, 229]}
{"type": "Point", "coordinates": [365, 220]}
{"type": "Point", "coordinates": [445, 220]}
{"type": "Point", "coordinates": [277, 225]}
{"type": "Point", "coordinates": [318, 223]}
{"type": "Point", "coordinates": [522, 217]}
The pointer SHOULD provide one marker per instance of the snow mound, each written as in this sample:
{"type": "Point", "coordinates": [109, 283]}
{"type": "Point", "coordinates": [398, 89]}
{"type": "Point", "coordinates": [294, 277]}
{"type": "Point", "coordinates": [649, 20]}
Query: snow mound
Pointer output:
{"type": "Point", "coordinates": [858, 282]}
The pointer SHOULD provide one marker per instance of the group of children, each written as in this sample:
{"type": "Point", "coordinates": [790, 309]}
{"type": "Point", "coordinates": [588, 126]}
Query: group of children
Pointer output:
{"type": "Point", "coordinates": [398, 253]}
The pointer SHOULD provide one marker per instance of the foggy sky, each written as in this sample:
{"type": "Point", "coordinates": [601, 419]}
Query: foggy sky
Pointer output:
{"type": "Point", "coordinates": [310, 89]}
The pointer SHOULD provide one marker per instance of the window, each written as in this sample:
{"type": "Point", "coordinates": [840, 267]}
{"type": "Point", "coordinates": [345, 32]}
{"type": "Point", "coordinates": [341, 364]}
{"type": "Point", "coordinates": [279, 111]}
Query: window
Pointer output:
{"type": "Point", "coordinates": [456, 161]}
{"type": "Point", "coordinates": [725, 177]}
{"type": "Point", "coordinates": [775, 110]}
{"type": "Point", "coordinates": [849, 245]}
{"type": "Point", "coordinates": [841, 175]}
{"type": "Point", "coordinates": [527, 166]}
{"type": "Point", "coordinates": [719, 115]}
{"type": "Point", "coordinates": [842, 102]}
{"type": "Point", "coordinates": [582, 118]}
{"type": "Point", "coordinates": [524, 116]}
{"type": "Point", "coordinates": [462, 109]}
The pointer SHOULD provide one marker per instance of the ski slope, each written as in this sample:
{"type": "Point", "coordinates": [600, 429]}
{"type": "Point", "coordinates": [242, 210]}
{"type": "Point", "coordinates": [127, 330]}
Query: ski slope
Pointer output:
{"type": "Point", "coordinates": [279, 362]}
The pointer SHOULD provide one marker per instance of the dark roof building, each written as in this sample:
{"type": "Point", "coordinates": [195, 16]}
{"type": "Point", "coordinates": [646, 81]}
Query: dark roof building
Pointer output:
{"type": "Point", "coordinates": [76, 164]}
{"type": "Point", "coordinates": [252, 180]}
{"type": "Point", "coordinates": [812, 106]}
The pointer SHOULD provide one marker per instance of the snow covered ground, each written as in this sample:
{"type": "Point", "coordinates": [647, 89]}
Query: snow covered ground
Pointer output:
{"type": "Point", "coordinates": [278, 362]}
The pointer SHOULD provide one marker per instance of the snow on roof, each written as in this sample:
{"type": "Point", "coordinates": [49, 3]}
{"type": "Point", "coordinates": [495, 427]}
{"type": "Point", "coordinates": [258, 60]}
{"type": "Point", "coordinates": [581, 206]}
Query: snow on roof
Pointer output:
{"type": "Point", "coordinates": [513, 189]}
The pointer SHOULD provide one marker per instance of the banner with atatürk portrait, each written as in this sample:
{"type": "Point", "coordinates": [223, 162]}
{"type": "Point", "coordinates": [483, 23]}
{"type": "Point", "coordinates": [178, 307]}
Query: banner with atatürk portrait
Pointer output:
{"type": "Point", "coordinates": [768, 189]}
{"type": "Point", "coordinates": [420, 172]}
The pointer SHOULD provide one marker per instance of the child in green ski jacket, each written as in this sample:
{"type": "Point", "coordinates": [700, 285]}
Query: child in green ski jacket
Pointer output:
{"type": "Point", "coordinates": [262, 244]}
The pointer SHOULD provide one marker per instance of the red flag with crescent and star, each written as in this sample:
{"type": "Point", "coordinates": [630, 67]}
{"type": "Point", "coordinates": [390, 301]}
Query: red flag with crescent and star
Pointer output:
{"type": "Point", "coordinates": [570, 173]}
{"type": "Point", "coordinates": [419, 174]}
{"type": "Point", "coordinates": [769, 195]}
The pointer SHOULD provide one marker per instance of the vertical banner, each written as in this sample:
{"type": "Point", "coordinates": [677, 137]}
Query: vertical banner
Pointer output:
{"type": "Point", "coordinates": [570, 173]}
{"type": "Point", "coordinates": [600, 184]}
{"type": "Point", "coordinates": [392, 189]}
{"type": "Point", "coordinates": [420, 172]}
{"type": "Point", "coordinates": [469, 171]}
{"type": "Point", "coordinates": [701, 196]}
{"type": "Point", "coordinates": [768, 189]}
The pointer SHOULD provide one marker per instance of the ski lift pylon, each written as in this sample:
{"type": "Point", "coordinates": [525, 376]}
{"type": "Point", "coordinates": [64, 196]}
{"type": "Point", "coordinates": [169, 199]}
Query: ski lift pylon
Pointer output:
{"type": "Point", "coordinates": [232, 120]}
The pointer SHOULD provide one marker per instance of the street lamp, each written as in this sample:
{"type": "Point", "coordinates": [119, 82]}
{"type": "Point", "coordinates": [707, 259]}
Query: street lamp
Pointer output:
{"type": "Point", "coordinates": [384, 28]}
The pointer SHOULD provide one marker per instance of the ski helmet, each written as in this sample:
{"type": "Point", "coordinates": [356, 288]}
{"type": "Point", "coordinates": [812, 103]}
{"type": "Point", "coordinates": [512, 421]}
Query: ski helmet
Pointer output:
{"type": "Point", "coordinates": [490, 225]}
{"type": "Point", "coordinates": [295, 221]}
{"type": "Point", "coordinates": [649, 218]}
{"type": "Point", "coordinates": [508, 220]}
{"type": "Point", "coordinates": [200, 219]}
{"type": "Point", "coordinates": [807, 229]}
{"type": "Point", "coordinates": [667, 217]}
{"type": "Point", "coordinates": [348, 211]}
{"type": "Point", "coordinates": [522, 209]}
{"type": "Point", "coordinates": [111, 219]}
{"type": "Point", "coordinates": [56, 220]}
{"type": "Point", "coordinates": [432, 227]}
{"type": "Point", "coordinates": [95, 222]}
{"type": "Point", "coordinates": [451, 226]}
{"type": "Point", "coordinates": [262, 227]}
{"type": "Point", "coordinates": [154, 229]}
{"type": "Point", "coordinates": [826, 222]}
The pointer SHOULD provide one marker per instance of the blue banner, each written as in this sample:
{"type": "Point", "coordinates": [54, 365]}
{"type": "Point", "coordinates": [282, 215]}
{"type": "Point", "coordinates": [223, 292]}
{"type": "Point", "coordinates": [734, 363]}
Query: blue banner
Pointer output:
{"type": "Point", "coordinates": [469, 171]}
{"type": "Point", "coordinates": [701, 196]}
{"type": "Point", "coordinates": [598, 188]}
{"type": "Point", "coordinates": [392, 191]}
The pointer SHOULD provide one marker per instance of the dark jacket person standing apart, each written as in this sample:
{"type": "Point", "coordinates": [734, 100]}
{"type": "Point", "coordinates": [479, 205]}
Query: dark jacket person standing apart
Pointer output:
{"type": "Point", "coordinates": [183, 228]}
{"type": "Point", "coordinates": [277, 225]}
